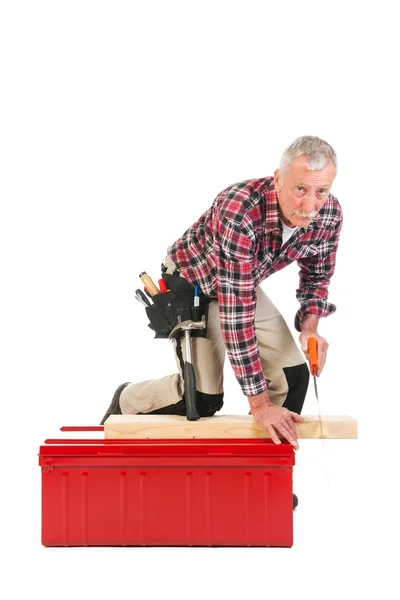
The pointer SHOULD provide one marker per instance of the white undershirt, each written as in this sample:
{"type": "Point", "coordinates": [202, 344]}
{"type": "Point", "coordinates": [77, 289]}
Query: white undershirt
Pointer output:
{"type": "Point", "coordinates": [287, 232]}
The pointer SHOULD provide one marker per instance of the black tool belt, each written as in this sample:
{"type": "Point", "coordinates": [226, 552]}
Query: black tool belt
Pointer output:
{"type": "Point", "coordinates": [175, 306]}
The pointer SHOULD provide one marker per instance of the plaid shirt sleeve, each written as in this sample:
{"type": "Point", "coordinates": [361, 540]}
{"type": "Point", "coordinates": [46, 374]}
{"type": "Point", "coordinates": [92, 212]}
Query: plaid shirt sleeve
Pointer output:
{"type": "Point", "coordinates": [234, 249]}
{"type": "Point", "coordinates": [315, 274]}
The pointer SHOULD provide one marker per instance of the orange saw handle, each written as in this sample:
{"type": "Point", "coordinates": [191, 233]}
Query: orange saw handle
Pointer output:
{"type": "Point", "coordinates": [313, 359]}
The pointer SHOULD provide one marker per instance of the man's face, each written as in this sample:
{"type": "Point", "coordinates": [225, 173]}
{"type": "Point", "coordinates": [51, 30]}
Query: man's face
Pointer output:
{"type": "Point", "coordinates": [302, 193]}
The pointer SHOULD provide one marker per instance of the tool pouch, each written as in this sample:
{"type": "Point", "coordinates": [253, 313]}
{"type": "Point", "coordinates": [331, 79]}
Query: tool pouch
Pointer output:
{"type": "Point", "coordinates": [178, 302]}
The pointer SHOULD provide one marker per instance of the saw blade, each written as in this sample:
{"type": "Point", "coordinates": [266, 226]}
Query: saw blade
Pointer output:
{"type": "Point", "coordinates": [319, 406]}
{"type": "Point", "coordinates": [313, 360]}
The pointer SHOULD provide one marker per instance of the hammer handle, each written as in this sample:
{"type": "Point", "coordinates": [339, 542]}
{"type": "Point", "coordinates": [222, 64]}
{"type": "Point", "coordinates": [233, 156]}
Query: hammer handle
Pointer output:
{"type": "Point", "coordinates": [149, 283]}
{"type": "Point", "coordinates": [190, 392]}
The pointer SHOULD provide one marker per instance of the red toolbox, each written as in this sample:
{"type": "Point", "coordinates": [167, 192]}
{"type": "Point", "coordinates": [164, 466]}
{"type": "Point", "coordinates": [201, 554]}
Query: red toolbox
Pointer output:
{"type": "Point", "coordinates": [180, 492]}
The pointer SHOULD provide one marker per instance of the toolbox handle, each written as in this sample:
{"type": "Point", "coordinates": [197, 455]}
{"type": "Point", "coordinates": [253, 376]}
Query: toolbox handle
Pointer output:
{"type": "Point", "coordinates": [82, 428]}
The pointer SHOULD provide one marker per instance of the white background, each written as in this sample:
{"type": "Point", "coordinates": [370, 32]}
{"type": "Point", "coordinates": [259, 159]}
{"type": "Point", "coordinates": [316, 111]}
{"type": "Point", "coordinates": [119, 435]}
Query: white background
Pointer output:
{"type": "Point", "coordinates": [120, 123]}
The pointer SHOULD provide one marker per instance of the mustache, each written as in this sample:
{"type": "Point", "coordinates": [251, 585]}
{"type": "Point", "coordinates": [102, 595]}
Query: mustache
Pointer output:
{"type": "Point", "coordinates": [301, 213]}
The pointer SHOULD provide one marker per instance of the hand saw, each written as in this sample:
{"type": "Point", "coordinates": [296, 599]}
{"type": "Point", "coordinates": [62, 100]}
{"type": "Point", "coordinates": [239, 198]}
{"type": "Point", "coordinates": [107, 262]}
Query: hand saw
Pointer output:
{"type": "Point", "coordinates": [313, 361]}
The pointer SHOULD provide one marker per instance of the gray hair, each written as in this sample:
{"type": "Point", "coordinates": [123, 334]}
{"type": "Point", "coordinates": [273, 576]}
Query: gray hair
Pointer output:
{"type": "Point", "coordinates": [317, 151]}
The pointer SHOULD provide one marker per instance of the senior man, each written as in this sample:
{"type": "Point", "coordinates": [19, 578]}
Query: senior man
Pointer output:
{"type": "Point", "coordinates": [253, 229]}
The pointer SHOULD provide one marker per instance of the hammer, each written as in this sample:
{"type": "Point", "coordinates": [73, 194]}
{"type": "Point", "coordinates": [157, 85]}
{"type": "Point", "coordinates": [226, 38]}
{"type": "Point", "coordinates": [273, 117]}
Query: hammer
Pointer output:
{"type": "Point", "coordinates": [188, 371]}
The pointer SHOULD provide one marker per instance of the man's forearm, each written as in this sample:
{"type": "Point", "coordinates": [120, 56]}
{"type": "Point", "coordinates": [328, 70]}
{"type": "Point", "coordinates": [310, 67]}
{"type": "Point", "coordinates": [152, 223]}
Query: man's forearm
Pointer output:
{"type": "Point", "coordinates": [310, 323]}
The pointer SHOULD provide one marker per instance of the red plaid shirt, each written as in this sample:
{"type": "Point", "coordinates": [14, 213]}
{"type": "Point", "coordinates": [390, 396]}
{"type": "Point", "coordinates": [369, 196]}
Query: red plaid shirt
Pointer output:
{"type": "Point", "coordinates": [236, 244]}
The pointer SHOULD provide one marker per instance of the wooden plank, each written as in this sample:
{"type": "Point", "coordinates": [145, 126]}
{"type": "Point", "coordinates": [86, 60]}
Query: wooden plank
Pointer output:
{"type": "Point", "coordinates": [222, 426]}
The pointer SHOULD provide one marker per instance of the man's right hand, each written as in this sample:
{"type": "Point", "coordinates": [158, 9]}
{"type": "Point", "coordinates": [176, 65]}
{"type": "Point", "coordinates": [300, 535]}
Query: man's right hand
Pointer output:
{"type": "Point", "coordinates": [275, 419]}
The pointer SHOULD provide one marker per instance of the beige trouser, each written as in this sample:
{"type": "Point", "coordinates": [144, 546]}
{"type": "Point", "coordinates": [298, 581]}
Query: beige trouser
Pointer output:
{"type": "Point", "coordinates": [277, 348]}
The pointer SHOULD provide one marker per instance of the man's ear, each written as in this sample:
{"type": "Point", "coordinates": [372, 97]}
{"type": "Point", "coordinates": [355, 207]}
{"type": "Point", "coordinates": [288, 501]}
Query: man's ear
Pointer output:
{"type": "Point", "coordinates": [277, 181]}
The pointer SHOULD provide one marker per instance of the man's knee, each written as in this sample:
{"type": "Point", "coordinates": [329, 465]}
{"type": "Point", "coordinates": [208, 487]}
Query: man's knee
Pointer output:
{"type": "Point", "coordinates": [206, 404]}
{"type": "Point", "coordinates": [209, 404]}
{"type": "Point", "coordinates": [179, 408]}
{"type": "Point", "coordinates": [297, 379]}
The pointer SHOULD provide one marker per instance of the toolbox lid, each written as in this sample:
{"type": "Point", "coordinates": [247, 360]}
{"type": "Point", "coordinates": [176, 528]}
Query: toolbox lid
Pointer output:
{"type": "Point", "coordinates": [72, 443]}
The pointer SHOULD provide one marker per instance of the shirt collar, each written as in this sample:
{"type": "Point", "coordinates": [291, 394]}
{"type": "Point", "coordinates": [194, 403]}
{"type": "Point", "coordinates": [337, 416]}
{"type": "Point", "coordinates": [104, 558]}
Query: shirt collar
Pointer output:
{"type": "Point", "coordinates": [272, 217]}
